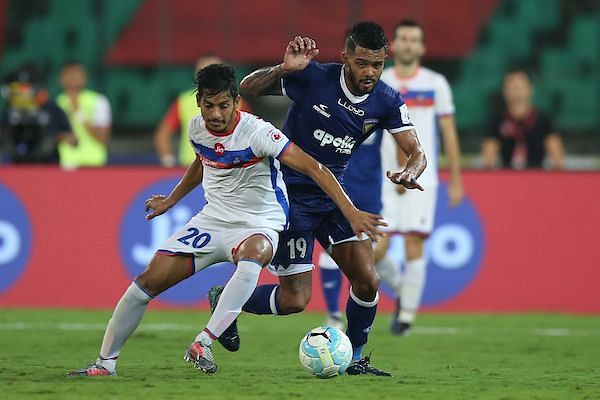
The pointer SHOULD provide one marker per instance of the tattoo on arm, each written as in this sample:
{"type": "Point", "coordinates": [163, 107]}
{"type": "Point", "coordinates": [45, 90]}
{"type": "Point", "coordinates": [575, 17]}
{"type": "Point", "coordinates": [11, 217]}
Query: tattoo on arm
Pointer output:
{"type": "Point", "coordinates": [264, 81]}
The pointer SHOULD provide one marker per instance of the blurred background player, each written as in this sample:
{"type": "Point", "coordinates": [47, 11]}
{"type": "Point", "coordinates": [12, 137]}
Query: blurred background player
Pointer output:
{"type": "Point", "coordinates": [177, 120]}
{"type": "Point", "coordinates": [90, 116]}
{"type": "Point", "coordinates": [429, 98]}
{"type": "Point", "coordinates": [32, 126]}
{"type": "Point", "coordinates": [335, 108]}
{"type": "Point", "coordinates": [520, 135]}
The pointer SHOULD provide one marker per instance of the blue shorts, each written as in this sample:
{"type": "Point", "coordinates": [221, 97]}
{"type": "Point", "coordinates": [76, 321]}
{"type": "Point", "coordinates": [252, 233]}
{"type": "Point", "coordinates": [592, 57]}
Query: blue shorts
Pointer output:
{"type": "Point", "coordinates": [313, 215]}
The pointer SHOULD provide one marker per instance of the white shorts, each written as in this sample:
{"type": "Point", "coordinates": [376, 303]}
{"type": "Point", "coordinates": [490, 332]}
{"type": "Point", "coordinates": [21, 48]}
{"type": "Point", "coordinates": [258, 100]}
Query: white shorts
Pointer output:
{"type": "Point", "coordinates": [412, 212]}
{"type": "Point", "coordinates": [211, 241]}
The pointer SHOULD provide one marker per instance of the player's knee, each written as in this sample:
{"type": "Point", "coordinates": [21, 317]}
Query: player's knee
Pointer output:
{"type": "Point", "coordinates": [366, 289]}
{"type": "Point", "coordinates": [256, 247]}
{"type": "Point", "coordinates": [414, 247]}
{"type": "Point", "coordinates": [147, 285]}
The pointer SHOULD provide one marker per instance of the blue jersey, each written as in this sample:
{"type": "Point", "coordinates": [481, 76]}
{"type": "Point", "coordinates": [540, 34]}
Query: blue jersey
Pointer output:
{"type": "Point", "coordinates": [363, 175]}
{"type": "Point", "coordinates": [328, 122]}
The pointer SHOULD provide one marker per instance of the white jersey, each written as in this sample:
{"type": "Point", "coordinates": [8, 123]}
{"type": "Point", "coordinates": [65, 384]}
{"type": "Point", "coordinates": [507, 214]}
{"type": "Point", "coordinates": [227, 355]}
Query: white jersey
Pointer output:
{"type": "Point", "coordinates": [428, 97]}
{"type": "Point", "coordinates": [242, 181]}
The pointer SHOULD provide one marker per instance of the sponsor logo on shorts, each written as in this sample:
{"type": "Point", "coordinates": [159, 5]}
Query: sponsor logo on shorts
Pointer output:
{"type": "Point", "coordinates": [15, 238]}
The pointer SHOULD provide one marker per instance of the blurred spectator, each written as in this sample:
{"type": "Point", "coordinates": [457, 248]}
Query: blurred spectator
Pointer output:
{"type": "Point", "coordinates": [177, 120]}
{"type": "Point", "coordinates": [90, 115]}
{"type": "Point", "coordinates": [32, 126]}
{"type": "Point", "coordinates": [521, 136]}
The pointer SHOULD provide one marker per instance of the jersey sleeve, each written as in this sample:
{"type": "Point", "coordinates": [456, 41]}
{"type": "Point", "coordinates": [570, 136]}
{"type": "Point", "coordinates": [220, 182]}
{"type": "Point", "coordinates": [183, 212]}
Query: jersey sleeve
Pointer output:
{"type": "Point", "coordinates": [295, 85]}
{"type": "Point", "coordinates": [444, 104]}
{"type": "Point", "coordinates": [270, 142]}
{"type": "Point", "coordinates": [398, 118]}
{"type": "Point", "coordinates": [102, 113]}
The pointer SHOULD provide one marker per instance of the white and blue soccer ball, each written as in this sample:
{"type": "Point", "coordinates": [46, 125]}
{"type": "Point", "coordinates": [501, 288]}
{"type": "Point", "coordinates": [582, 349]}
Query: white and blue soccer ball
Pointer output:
{"type": "Point", "coordinates": [325, 352]}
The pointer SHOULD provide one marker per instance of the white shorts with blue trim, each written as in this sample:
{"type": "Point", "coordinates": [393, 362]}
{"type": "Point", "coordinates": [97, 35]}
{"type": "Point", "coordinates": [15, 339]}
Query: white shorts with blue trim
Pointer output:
{"type": "Point", "coordinates": [212, 241]}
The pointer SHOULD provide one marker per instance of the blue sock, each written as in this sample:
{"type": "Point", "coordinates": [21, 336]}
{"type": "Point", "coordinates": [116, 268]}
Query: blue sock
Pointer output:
{"type": "Point", "coordinates": [263, 300]}
{"type": "Point", "coordinates": [360, 315]}
{"type": "Point", "coordinates": [331, 281]}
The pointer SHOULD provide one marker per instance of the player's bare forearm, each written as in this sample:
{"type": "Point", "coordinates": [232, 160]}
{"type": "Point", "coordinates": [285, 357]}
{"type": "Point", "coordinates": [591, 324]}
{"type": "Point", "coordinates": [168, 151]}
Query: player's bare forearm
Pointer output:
{"type": "Point", "coordinates": [297, 159]}
{"type": "Point", "coordinates": [191, 179]}
{"type": "Point", "coordinates": [555, 150]}
{"type": "Point", "coordinates": [100, 133]}
{"type": "Point", "coordinates": [409, 143]}
{"type": "Point", "coordinates": [162, 142]}
{"type": "Point", "coordinates": [452, 146]}
{"type": "Point", "coordinates": [489, 152]}
{"type": "Point", "coordinates": [264, 81]}
{"type": "Point", "coordinates": [361, 222]}
{"type": "Point", "coordinates": [159, 204]}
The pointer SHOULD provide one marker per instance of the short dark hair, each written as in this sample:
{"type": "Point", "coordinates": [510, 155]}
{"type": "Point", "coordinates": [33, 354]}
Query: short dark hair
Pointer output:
{"type": "Point", "coordinates": [517, 69]}
{"type": "Point", "coordinates": [367, 34]}
{"type": "Point", "coordinates": [72, 63]}
{"type": "Point", "coordinates": [216, 78]}
{"type": "Point", "coordinates": [409, 23]}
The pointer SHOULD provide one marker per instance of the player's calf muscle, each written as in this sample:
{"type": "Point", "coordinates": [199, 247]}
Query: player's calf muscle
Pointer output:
{"type": "Point", "coordinates": [294, 293]}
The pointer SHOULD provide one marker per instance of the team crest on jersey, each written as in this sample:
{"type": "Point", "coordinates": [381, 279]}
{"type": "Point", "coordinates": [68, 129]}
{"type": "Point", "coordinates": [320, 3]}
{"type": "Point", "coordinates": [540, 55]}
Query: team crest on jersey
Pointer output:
{"type": "Point", "coordinates": [369, 125]}
{"type": "Point", "coordinates": [219, 149]}
{"type": "Point", "coordinates": [276, 136]}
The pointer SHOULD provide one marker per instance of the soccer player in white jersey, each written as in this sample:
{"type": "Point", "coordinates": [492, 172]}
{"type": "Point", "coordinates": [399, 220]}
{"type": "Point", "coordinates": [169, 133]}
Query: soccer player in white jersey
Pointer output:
{"type": "Point", "coordinates": [237, 162]}
{"type": "Point", "coordinates": [411, 213]}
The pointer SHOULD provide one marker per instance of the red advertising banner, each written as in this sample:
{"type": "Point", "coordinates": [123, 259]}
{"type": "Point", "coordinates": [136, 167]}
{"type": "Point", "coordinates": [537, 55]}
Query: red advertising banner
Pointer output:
{"type": "Point", "coordinates": [521, 241]}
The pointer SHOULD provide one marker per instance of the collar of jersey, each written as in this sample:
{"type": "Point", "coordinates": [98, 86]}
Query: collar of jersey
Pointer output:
{"type": "Point", "coordinates": [353, 99]}
{"type": "Point", "coordinates": [229, 132]}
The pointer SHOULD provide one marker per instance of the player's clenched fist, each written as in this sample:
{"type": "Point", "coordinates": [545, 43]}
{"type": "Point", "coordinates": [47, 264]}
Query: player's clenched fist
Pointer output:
{"type": "Point", "coordinates": [159, 205]}
{"type": "Point", "coordinates": [299, 53]}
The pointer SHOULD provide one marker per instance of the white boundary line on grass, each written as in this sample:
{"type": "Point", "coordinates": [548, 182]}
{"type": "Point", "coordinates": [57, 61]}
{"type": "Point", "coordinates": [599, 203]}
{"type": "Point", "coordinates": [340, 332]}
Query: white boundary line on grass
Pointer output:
{"type": "Point", "coordinates": [174, 327]}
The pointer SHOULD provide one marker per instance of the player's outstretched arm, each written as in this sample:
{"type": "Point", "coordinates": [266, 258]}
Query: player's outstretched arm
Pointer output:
{"type": "Point", "coordinates": [267, 81]}
{"type": "Point", "coordinates": [416, 163]}
{"type": "Point", "coordinates": [452, 149]}
{"type": "Point", "coordinates": [361, 222]}
{"type": "Point", "coordinates": [159, 204]}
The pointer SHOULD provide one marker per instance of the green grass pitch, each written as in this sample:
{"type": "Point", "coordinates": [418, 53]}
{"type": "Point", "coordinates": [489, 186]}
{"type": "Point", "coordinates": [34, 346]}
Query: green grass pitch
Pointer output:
{"type": "Point", "coordinates": [446, 357]}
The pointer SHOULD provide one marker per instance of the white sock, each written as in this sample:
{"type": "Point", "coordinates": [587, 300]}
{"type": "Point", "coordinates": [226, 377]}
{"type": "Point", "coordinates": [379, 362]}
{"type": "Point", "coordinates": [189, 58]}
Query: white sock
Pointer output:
{"type": "Point", "coordinates": [389, 272]}
{"type": "Point", "coordinates": [235, 294]}
{"type": "Point", "coordinates": [411, 290]}
{"type": "Point", "coordinates": [125, 319]}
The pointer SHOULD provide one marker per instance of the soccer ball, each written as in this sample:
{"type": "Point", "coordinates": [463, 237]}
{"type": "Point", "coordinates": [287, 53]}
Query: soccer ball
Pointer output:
{"type": "Point", "coordinates": [325, 352]}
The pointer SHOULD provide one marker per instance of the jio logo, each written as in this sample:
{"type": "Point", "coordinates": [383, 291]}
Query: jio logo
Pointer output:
{"type": "Point", "coordinates": [139, 240]}
{"type": "Point", "coordinates": [15, 238]}
{"type": "Point", "coordinates": [454, 250]}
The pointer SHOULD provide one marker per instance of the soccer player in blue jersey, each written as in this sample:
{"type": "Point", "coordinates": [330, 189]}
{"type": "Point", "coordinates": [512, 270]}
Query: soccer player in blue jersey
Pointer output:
{"type": "Point", "coordinates": [335, 108]}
